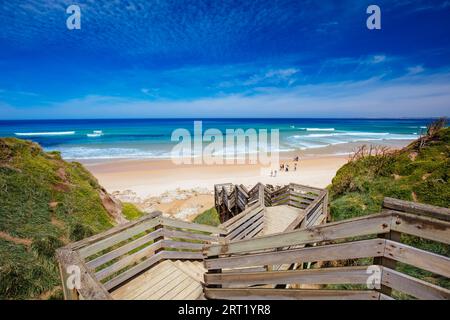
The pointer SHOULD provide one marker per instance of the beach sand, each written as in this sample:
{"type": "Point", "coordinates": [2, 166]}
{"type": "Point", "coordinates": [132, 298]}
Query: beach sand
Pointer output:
{"type": "Point", "coordinates": [154, 177]}
{"type": "Point", "coordinates": [184, 191]}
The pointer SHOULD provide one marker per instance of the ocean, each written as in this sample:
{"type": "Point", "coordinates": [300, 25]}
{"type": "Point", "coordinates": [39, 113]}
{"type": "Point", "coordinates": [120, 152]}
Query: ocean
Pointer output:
{"type": "Point", "coordinates": [151, 138]}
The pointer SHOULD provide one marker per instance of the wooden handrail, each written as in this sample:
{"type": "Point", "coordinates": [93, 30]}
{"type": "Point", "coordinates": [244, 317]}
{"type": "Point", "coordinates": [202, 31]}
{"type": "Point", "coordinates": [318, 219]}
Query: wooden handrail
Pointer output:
{"type": "Point", "coordinates": [372, 224]}
{"type": "Point", "coordinates": [280, 249]}
{"type": "Point", "coordinates": [115, 256]}
{"type": "Point", "coordinates": [71, 264]}
{"type": "Point", "coordinates": [417, 208]}
{"type": "Point", "coordinates": [352, 250]}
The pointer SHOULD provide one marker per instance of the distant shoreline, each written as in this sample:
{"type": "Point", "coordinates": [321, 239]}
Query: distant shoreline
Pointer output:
{"type": "Point", "coordinates": [152, 177]}
{"type": "Point", "coordinates": [338, 150]}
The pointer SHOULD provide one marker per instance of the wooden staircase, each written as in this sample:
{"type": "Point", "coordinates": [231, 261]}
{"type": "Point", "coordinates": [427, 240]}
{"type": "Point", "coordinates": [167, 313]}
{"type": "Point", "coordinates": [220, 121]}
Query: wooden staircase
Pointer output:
{"type": "Point", "coordinates": [168, 280]}
{"type": "Point", "coordinates": [247, 258]}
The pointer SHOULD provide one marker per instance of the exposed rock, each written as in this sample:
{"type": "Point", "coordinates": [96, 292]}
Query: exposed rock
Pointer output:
{"type": "Point", "coordinates": [113, 206]}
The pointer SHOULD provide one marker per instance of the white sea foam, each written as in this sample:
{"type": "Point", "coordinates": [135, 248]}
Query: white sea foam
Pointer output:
{"type": "Point", "coordinates": [91, 153]}
{"type": "Point", "coordinates": [318, 129]}
{"type": "Point", "coordinates": [54, 133]}
{"type": "Point", "coordinates": [317, 140]}
{"type": "Point", "coordinates": [86, 153]}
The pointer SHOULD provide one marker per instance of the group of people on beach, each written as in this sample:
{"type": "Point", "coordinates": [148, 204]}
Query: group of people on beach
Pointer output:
{"type": "Point", "coordinates": [285, 167]}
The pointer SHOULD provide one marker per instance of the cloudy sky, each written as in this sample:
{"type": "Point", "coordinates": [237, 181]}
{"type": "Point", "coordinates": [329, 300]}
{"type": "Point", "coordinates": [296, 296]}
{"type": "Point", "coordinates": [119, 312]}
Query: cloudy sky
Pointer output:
{"type": "Point", "coordinates": [221, 58]}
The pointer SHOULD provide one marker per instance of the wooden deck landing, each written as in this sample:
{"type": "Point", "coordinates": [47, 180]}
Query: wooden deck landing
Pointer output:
{"type": "Point", "coordinates": [169, 280]}
{"type": "Point", "coordinates": [278, 218]}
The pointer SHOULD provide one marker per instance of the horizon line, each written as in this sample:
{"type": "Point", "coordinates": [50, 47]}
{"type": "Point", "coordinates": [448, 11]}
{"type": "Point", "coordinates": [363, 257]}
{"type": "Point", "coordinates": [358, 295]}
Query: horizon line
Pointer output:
{"type": "Point", "coordinates": [232, 118]}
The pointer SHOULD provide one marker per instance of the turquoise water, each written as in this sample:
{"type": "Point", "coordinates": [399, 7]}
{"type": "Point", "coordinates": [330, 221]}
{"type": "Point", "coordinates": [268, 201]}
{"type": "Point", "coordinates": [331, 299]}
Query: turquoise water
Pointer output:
{"type": "Point", "coordinates": [151, 138]}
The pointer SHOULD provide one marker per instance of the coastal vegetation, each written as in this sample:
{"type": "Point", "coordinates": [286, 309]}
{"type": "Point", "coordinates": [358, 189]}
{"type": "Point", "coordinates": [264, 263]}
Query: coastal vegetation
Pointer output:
{"type": "Point", "coordinates": [209, 217]}
{"type": "Point", "coordinates": [419, 172]}
{"type": "Point", "coordinates": [130, 211]}
{"type": "Point", "coordinates": [45, 203]}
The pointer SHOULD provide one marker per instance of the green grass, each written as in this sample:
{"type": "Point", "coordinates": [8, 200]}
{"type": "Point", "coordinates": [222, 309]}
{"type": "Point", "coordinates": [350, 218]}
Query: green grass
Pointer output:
{"type": "Point", "coordinates": [360, 186]}
{"type": "Point", "coordinates": [130, 211]}
{"type": "Point", "coordinates": [412, 173]}
{"type": "Point", "coordinates": [209, 217]}
{"type": "Point", "coordinates": [48, 201]}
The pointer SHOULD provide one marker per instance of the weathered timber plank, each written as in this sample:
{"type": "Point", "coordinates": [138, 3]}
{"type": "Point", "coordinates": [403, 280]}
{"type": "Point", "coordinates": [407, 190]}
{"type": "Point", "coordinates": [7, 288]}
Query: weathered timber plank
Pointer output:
{"type": "Point", "coordinates": [191, 226]}
{"type": "Point", "coordinates": [306, 189]}
{"type": "Point", "coordinates": [419, 258]}
{"type": "Point", "coordinates": [128, 260]}
{"type": "Point", "coordinates": [110, 232]}
{"type": "Point", "coordinates": [290, 294]}
{"type": "Point", "coordinates": [235, 232]}
{"type": "Point", "coordinates": [372, 224]}
{"type": "Point", "coordinates": [349, 250]}
{"type": "Point", "coordinates": [344, 275]}
{"type": "Point", "coordinates": [420, 226]}
{"type": "Point", "coordinates": [181, 245]}
{"type": "Point", "coordinates": [412, 286]}
{"type": "Point", "coordinates": [174, 255]}
{"type": "Point", "coordinates": [417, 208]}
{"type": "Point", "coordinates": [231, 229]}
{"type": "Point", "coordinates": [229, 222]}
{"type": "Point", "coordinates": [145, 280]}
{"type": "Point", "coordinates": [124, 249]}
{"type": "Point", "coordinates": [172, 233]}
{"type": "Point", "coordinates": [134, 270]}
{"type": "Point", "coordinates": [118, 237]}
{"type": "Point", "coordinates": [259, 226]}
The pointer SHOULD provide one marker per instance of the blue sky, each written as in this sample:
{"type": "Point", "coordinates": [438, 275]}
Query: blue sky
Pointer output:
{"type": "Point", "coordinates": [221, 58]}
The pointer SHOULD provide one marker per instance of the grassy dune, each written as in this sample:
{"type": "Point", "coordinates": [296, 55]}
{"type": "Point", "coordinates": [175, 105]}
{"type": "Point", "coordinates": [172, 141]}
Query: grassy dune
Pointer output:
{"type": "Point", "coordinates": [414, 173]}
{"type": "Point", "coordinates": [45, 202]}
{"type": "Point", "coordinates": [420, 172]}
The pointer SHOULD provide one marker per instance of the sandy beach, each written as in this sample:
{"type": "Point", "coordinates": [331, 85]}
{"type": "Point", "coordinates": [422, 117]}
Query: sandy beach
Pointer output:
{"type": "Point", "coordinates": [151, 177]}
{"type": "Point", "coordinates": [154, 177]}
{"type": "Point", "coordinates": [184, 191]}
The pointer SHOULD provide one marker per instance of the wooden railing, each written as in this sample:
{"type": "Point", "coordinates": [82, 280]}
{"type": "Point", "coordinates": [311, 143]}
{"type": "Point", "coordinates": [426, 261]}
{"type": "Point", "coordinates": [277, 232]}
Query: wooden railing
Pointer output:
{"type": "Point", "coordinates": [107, 260]}
{"type": "Point", "coordinates": [239, 269]}
{"type": "Point", "coordinates": [231, 200]}
{"type": "Point", "coordinates": [248, 224]}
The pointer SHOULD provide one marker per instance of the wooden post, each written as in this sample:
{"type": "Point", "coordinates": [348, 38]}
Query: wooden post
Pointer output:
{"type": "Point", "coordinates": [387, 262]}
{"type": "Point", "coordinates": [161, 238]}
{"type": "Point", "coordinates": [69, 294]}
{"type": "Point", "coordinates": [212, 271]}
{"type": "Point", "coordinates": [325, 207]}
{"type": "Point", "coordinates": [261, 194]}
{"type": "Point", "coordinates": [236, 199]}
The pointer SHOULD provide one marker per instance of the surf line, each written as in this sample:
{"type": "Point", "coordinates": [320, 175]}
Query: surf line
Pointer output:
{"type": "Point", "coordinates": [55, 133]}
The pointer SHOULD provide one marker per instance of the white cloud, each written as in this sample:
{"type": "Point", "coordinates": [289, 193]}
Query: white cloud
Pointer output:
{"type": "Point", "coordinates": [273, 76]}
{"type": "Point", "coordinates": [415, 70]}
{"type": "Point", "coordinates": [150, 92]}
{"type": "Point", "coordinates": [410, 96]}
{"type": "Point", "coordinates": [378, 59]}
